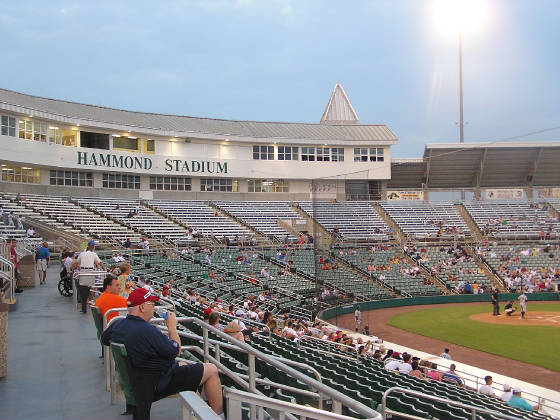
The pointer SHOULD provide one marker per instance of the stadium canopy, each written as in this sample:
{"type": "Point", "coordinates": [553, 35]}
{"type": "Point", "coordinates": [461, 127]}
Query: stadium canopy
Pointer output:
{"type": "Point", "coordinates": [479, 165]}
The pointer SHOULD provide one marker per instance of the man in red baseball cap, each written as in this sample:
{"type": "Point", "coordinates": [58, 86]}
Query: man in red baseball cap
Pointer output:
{"type": "Point", "coordinates": [151, 351]}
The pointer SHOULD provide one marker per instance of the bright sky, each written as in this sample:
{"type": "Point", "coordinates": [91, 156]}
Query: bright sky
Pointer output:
{"type": "Point", "coordinates": [278, 60]}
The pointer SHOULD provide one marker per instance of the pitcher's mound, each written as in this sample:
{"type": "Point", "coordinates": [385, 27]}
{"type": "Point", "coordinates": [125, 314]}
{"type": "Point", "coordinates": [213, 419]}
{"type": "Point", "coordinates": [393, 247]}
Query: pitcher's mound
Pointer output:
{"type": "Point", "coordinates": [531, 318]}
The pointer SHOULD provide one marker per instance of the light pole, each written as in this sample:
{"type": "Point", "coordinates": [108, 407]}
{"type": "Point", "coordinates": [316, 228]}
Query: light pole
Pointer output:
{"type": "Point", "coordinates": [461, 122]}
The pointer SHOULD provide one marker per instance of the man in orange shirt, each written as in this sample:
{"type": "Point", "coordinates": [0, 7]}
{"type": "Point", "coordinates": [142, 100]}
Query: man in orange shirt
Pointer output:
{"type": "Point", "coordinates": [110, 298]}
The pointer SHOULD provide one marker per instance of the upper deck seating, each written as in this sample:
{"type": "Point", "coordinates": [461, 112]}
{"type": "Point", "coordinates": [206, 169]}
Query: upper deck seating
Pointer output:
{"type": "Point", "coordinates": [262, 216]}
{"type": "Point", "coordinates": [426, 220]}
{"type": "Point", "coordinates": [62, 214]}
{"type": "Point", "coordinates": [199, 215]}
{"type": "Point", "coordinates": [147, 220]}
{"type": "Point", "coordinates": [513, 219]}
{"type": "Point", "coordinates": [354, 220]}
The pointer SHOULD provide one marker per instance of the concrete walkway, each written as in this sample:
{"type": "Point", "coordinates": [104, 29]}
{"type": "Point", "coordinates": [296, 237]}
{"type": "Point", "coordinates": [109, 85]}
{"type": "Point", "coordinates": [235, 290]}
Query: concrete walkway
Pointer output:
{"type": "Point", "coordinates": [54, 369]}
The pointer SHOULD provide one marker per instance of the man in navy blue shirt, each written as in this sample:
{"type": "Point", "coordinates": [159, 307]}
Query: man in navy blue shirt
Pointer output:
{"type": "Point", "coordinates": [42, 259]}
{"type": "Point", "coordinates": [151, 351]}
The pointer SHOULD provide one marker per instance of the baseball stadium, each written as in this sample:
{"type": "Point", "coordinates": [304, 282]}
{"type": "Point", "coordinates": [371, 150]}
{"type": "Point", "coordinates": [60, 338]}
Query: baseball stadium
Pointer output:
{"type": "Point", "coordinates": [316, 275]}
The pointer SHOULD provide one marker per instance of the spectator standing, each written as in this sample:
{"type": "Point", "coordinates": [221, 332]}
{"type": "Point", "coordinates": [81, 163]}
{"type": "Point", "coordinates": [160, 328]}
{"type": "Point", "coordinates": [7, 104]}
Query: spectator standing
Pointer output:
{"type": "Point", "coordinates": [14, 257]}
{"type": "Point", "coordinates": [88, 261]}
{"type": "Point", "coordinates": [124, 280]}
{"type": "Point", "coordinates": [42, 260]}
{"type": "Point", "coordinates": [11, 219]}
{"type": "Point", "coordinates": [445, 354]}
{"type": "Point", "coordinates": [358, 317]}
{"type": "Point", "coordinates": [19, 222]}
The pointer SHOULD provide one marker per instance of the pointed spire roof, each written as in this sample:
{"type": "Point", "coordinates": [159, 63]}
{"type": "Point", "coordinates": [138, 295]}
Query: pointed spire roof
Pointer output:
{"type": "Point", "coordinates": [339, 110]}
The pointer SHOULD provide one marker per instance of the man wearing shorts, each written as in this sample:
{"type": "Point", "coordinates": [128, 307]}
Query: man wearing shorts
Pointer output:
{"type": "Point", "coordinates": [523, 303]}
{"type": "Point", "coordinates": [42, 259]}
{"type": "Point", "coordinates": [152, 352]}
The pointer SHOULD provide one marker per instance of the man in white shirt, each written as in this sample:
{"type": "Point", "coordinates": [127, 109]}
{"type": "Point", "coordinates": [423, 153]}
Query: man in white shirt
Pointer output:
{"type": "Point", "coordinates": [487, 389]}
{"type": "Point", "coordinates": [20, 222]}
{"type": "Point", "coordinates": [11, 219]}
{"type": "Point", "coordinates": [393, 364]}
{"type": "Point", "coordinates": [445, 354]}
{"type": "Point", "coordinates": [405, 367]}
{"type": "Point", "coordinates": [88, 261]}
{"type": "Point", "coordinates": [507, 393]}
{"type": "Point", "coordinates": [358, 317]}
{"type": "Point", "coordinates": [30, 233]}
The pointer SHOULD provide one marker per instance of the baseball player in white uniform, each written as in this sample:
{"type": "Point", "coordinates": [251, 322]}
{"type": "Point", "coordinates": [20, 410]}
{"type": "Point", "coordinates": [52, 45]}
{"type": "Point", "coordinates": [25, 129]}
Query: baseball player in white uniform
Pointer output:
{"type": "Point", "coordinates": [523, 303]}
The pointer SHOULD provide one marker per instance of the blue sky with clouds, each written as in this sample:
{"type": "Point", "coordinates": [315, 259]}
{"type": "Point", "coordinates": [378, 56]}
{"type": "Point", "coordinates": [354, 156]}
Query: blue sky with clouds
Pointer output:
{"type": "Point", "coordinates": [278, 60]}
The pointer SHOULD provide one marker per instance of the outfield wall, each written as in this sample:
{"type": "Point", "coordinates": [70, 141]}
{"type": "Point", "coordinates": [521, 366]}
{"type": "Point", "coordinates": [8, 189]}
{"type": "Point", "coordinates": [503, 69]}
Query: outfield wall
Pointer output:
{"type": "Point", "coordinates": [431, 300]}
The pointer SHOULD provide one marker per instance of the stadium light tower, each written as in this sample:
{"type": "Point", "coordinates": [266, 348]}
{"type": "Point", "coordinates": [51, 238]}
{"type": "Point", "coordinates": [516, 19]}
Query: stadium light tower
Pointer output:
{"type": "Point", "coordinates": [459, 18]}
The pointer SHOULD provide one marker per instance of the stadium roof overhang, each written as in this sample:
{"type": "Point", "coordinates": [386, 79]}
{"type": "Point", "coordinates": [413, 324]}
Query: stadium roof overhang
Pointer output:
{"type": "Point", "coordinates": [482, 165]}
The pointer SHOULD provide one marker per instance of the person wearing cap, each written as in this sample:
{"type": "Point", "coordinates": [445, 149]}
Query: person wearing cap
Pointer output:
{"type": "Point", "coordinates": [518, 402]}
{"type": "Point", "coordinates": [110, 298]}
{"type": "Point", "coordinates": [523, 303]}
{"type": "Point", "coordinates": [495, 302]}
{"type": "Point", "coordinates": [88, 261]}
{"type": "Point", "coordinates": [236, 327]}
{"type": "Point", "coordinates": [149, 350]}
{"type": "Point", "coordinates": [507, 393]}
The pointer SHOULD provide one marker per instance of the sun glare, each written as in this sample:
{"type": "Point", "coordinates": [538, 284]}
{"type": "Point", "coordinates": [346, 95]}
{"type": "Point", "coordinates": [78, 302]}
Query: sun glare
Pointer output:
{"type": "Point", "coordinates": [452, 17]}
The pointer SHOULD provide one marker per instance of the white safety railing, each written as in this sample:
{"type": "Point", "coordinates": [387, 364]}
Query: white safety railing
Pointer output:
{"type": "Point", "coordinates": [7, 275]}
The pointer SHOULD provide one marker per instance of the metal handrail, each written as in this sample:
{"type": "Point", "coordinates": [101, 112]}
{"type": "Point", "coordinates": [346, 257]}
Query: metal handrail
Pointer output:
{"type": "Point", "coordinates": [235, 397]}
{"type": "Point", "coordinates": [75, 280]}
{"type": "Point", "coordinates": [339, 399]}
{"type": "Point", "coordinates": [7, 271]}
{"type": "Point", "coordinates": [472, 408]}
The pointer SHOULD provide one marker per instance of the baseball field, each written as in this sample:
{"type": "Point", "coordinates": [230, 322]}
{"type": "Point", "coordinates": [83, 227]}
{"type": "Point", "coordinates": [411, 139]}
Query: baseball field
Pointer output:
{"type": "Point", "coordinates": [534, 340]}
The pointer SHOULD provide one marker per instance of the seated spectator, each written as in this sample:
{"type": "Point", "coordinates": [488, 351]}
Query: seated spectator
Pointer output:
{"type": "Point", "coordinates": [506, 395]}
{"type": "Point", "coordinates": [434, 374]}
{"type": "Point", "coordinates": [149, 349]}
{"type": "Point", "coordinates": [236, 326]}
{"type": "Point", "coordinates": [110, 297]}
{"type": "Point", "coordinates": [452, 376]}
{"type": "Point", "coordinates": [405, 366]}
{"type": "Point", "coordinates": [415, 371]}
{"type": "Point", "coordinates": [518, 402]}
{"type": "Point", "coordinates": [487, 389]}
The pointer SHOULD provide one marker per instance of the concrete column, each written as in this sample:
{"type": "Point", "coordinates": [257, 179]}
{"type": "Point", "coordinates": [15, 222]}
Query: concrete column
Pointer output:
{"type": "Point", "coordinates": [530, 193]}
{"type": "Point", "coordinates": [3, 339]}
{"type": "Point", "coordinates": [26, 269]}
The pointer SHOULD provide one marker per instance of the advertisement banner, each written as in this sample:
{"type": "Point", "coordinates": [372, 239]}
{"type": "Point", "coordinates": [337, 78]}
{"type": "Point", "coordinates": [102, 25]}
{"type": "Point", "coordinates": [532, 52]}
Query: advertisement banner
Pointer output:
{"type": "Point", "coordinates": [549, 193]}
{"type": "Point", "coordinates": [504, 194]}
{"type": "Point", "coordinates": [405, 195]}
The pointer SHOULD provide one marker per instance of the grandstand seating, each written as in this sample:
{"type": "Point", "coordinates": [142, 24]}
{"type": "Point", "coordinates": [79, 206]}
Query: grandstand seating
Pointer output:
{"type": "Point", "coordinates": [12, 232]}
{"type": "Point", "coordinates": [426, 220]}
{"type": "Point", "coordinates": [450, 270]}
{"type": "Point", "coordinates": [62, 214]}
{"type": "Point", "coordinates": [519, 263]}
{"type": "Point", "coordinates": [203, 217]}
{"type": "Point", "coordinates": [363, 379]}
{"type": "Point", "coordinates": [513, 219]}
{"type": "Point", "coordinates": [262, 216]}
{"type": "Point", "coordinates": [355, 220]}
{"type": "Point", "coordinates": [385, 263]}
{"type": "Point", "coordinates": [146, 221]}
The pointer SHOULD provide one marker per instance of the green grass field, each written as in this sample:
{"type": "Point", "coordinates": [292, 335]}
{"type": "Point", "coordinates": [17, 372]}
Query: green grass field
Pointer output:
{"type": "Point", "coordinates": [536, 345]}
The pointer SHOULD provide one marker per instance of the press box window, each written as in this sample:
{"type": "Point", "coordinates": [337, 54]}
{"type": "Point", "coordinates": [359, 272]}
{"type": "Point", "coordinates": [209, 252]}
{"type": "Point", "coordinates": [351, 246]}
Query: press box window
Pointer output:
{"type": "Point", "coordinates": [71, 178]}
{"type": "Point", "coordinates": [120, 181]}
{"type": "Point", "coordinates": [170, 183]}
{"type": "Point", "coordinates": [20, 174]}
{"type": "Point", "coordinates": [25, 129]}
{"type": "Point", "coordinates": [376, 154]}
{"type": "Point", "coordinates": [40, 131]}
{"type": "Point", "coordinates": [218, 184]}
{"type": "Point", "coordinates": [130, 144]}
{"type": "Point", "coordinates": [337, 154]}
{"type": "Point", "coordinates": [263, 152]}
{"type": "Point", "coordinates": [8, 126]}
{"type": "Point", "coordinates": [308, 154]}
{"type": "Point", "coordinates": [268, 185]}
{"type": "Point", "coordinates": [288, 153]}
{"type": "Point", "coordinates": [323, 154]}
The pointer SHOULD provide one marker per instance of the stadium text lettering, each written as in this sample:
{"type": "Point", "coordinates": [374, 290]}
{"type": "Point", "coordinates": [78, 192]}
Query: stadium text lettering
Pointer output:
{"type": "Point", "coordinates": [109, 160]}
{"type": "Point", "coordinates": [195, 166]}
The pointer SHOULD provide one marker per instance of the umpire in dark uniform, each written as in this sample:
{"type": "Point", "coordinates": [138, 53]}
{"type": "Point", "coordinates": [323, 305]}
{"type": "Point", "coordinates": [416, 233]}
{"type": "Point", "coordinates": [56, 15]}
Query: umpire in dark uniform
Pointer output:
{"type": "Point", "coordinates": [495, 302]}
